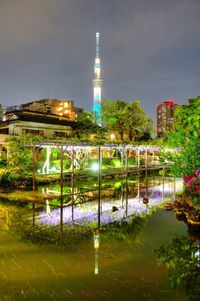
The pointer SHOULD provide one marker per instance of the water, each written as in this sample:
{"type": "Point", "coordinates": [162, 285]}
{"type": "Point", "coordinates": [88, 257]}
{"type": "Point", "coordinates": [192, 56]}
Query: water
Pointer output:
{"type": "Point", "coordinates": [122, 265]}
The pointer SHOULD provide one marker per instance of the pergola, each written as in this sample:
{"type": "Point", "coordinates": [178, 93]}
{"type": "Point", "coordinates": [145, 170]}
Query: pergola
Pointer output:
{"type": "Point", "coordinates": [72, 148]}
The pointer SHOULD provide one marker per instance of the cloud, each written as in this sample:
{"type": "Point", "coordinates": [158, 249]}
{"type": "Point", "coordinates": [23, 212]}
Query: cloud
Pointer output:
{"type": "Point", "coordinates": [149, 49]}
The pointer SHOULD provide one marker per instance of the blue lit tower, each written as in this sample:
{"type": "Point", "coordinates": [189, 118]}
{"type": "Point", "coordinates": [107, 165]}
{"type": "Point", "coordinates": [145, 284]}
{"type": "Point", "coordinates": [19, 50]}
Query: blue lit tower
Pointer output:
{"type": "Point", "coordinates": [97, 83]}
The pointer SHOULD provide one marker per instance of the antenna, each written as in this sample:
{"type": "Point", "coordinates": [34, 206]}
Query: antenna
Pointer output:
{"type": "Point", "coordinates": [97, 44]}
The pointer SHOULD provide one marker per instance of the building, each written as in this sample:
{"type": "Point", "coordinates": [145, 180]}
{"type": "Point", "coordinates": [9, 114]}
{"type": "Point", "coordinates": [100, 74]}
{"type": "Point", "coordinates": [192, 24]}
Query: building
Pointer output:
{"type": "Point", "coordinates": [56, 107]}
{"type": "Point", "coordinates": [165, 117]}
{"type": "Point", "coordinates": [97, 84]}
{"type": "Point", "coordinates": [46, 117]}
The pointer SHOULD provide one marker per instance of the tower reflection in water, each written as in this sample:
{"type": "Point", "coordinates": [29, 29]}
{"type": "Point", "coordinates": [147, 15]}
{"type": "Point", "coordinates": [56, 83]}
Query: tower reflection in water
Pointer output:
{"type": "Point", "coordinates": [96, 239]}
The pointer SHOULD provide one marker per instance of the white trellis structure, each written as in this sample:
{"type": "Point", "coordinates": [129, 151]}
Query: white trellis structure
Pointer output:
{"type": "Point", "coordinates": [144, 156]}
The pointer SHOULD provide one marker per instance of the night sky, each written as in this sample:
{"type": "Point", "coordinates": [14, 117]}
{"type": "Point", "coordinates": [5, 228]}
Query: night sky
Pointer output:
{"type": "Point", "coordinates": [149, 49]}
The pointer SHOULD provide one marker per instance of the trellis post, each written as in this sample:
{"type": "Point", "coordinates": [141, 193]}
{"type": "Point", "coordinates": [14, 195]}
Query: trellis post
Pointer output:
{"type": "Point", "coordinates": [99, 184]}
{"type": "Point", "coordinates": [61, 189]}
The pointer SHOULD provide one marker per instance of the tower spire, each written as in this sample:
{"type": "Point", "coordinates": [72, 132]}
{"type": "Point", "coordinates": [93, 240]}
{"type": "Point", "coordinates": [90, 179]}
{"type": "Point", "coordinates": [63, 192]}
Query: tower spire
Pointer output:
{"type": "Point", "coordinates": [97, 44]}
{"type": "Point", "coordinates": [97, 83]}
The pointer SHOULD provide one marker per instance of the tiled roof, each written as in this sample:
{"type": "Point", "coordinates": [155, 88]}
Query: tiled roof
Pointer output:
{"type": "Point", "coordinates": [40, 118]}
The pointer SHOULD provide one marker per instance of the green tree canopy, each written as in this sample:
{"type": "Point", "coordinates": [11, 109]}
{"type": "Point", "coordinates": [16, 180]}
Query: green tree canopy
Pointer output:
{"type": "Point", "coordinates": [128, 120]}
{"type": "Point", "coordinates": [20, 156]}
{"type": "Point", "coordinates": [185, 135]}
{"type": "Point", "coordinates": [87, 126]}
{"type": "Point", "coordinates": [181, 257]}
{"type": "Point", "coordinates": [188, 117]}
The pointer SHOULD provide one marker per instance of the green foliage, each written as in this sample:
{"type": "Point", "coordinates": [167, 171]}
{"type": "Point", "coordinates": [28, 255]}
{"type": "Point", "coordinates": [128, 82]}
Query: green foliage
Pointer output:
{"type": "Point", "coordinates": [142, 161]}
{"type": "Point", "coordinates": [186, 137]}
{"type": "Point", "coordinates": [188, 117]}
{"type": "Point", "coordinates": [119, 231]}
{"type": "Point", "coordinates": [55, 154]}
{"type": "Point", "coordinates": [127, 120]}
{"type": "Point", "coordinates": [132, 161]}
{"type": "Point", "coordinates": [20, 156]}
{"type": "Point", "coordinates": [2, 163]}
{"type": "Point", "coordinates": [181, 257]}
{"type": "Point", "coordinates": [34, 233]}
{"type": "Point", "coordinates": [87, 127]}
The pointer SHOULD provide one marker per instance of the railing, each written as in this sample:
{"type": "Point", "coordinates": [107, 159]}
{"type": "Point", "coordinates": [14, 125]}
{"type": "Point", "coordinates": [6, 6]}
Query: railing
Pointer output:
{"type": "Point", "coordinates": [24, 108]}
{"type": "Point", "coordinates": [13, 108]}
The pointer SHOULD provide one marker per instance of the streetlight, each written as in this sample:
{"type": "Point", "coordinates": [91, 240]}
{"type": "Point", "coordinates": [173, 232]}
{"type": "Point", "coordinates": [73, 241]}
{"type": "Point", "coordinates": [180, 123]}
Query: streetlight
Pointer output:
{"type": "Point", "coordinates": [112, 136]}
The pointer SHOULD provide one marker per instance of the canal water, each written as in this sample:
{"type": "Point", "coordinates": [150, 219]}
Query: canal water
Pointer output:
{"type": "Point", "coordinates": [119, 263]}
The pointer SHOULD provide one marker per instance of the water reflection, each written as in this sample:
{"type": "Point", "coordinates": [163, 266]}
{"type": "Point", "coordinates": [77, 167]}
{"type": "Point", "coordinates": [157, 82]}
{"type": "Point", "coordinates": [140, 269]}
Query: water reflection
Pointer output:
{"type": "Point", "coordinates": [85, 211]}
{"type": "Point", "coordinates": [117, 263]}
{"type": "Point", "coordinates": [120, 199]}
{"type": "Point", "coordinates": [96, 239]}
{"type": "Point", "coordinates": [182, 259]}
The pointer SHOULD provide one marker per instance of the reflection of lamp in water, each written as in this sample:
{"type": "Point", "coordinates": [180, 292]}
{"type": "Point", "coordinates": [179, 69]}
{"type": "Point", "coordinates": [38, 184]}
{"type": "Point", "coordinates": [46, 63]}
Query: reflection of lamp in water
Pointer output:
{"type": "Point", "coordinates": [146, 202]}
{"type": "Point", "coordinates": [96, 240]}
{"type": "Point", "coordinates": [196, 254]}
{"type": "Point", "coordinates": [6, 224]}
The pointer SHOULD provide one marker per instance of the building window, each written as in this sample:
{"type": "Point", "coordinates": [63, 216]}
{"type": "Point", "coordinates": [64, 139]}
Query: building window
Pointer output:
{"type": "Point", "coordinates": [33, 132]}
{"type": "Point", "coordinates": [61, 134]}
{"type": "Point", "coordinates": [4, 131]}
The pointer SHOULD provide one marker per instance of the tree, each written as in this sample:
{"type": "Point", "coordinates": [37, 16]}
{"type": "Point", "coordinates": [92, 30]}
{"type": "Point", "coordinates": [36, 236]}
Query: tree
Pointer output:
{"type": "Point", "coordinates": [136, 122]}
{"type": "Point", "coordinates": [20, 157]}
{"type": "Point", "coordinates": [188, 117]}
{"type": "Point", "coordinates": [128, 120]}
{"type": "Point", "coordinates": [87, 126]}
{"type": "Point", "coordinates": [185, 136]}
{"type": "Point", "coordinates": [181, 257]}
{"type": "Point", "coordinates": [113, 116]}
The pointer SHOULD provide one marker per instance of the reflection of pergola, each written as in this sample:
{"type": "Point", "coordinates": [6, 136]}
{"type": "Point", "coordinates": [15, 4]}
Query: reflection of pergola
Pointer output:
{"type": "Point", "coordinates": [99, 209]}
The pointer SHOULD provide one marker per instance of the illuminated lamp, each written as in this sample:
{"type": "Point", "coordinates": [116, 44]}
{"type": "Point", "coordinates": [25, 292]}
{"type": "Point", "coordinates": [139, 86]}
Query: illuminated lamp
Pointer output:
{"type": "Point", "coordinates": [117, 163]}
{"type": "Point", "coordinates": [95, 167]}
{"type": "Point", "coordinates": [170, 102]}
{"type": "Point", "coordinates": [112, 136]}
{"type": "Point", "coordinates": [53, 169]}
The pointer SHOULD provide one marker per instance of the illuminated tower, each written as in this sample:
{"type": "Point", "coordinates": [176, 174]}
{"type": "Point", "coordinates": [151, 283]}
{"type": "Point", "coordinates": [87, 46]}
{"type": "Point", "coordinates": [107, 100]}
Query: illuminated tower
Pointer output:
{"type": "Point", "coordinates": [97, 83]}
